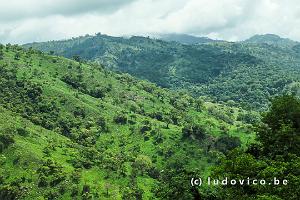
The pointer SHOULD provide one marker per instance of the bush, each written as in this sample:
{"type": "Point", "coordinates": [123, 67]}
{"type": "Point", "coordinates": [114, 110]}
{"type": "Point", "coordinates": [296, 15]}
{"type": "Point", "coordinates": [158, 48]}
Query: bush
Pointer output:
{"type": "Point", "coordinates": [226, 143]}
{"type": "Point", "coordinates": [5, 141]}
{"type": "Point", "coordinates": [193, 131]}
{"type": "Point", "coordinates": [79, 112]}
{"type": "Point", "coordinates": [9, 193]}
{"type": "Point", "coordinates": [121, 119]}
{"type": "Point", "coordinates": [142, 163]}
{"type": "Point", "coordinates": [101, 122]}
{"type": "Point", "coordinates": [98, 92]}
{"type": "Point", "coordinates": [22, 131]}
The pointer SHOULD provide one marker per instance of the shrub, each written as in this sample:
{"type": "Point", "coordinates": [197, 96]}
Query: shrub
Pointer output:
{"type": "Point", "coordinates": [121, 119]}
{"type": "Point", "coordinates": [226, 143]}
{"type": "Point", "coordinates": [193, 131]}
{"type": "Point", "coordinates": [5, 141]}
{"type": "Point", "coordinates": [22, 131]}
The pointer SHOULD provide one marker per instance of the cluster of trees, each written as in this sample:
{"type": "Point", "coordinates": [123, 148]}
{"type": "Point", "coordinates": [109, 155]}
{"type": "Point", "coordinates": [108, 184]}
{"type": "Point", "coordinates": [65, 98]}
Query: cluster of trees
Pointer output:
{"type": "Point", "coordinates": [76, 80]}
{"type": "Point", "coordinates": [276, 154]}
{"type": "Point", "coordinates": [27, 98]}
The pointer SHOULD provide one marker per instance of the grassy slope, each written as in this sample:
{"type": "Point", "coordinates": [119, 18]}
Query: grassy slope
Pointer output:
{"type": "Point", "coordinates": [107, 162]}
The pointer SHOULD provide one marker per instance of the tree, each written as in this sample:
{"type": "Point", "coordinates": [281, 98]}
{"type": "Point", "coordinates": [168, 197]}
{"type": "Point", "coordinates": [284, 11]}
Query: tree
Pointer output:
{"type": "Point", "coordinates": [77, 58]}
{"type": "Point", "coordinates": [227, 143]}
{"type": "Point", "coordinates": [142, 163]}
{"type": "Point", "coordinates": [167, 119]}
{"type": "Point", "coordinates": [132, 192]}
{"type": "Point", "coordinates": [199, 104]}
{"type": "Point", "coordinates": [173, 181]}
{"type": "Point", "coordinates": [17, 56]}
{"type": "Point", "coordinates": [102, 123]}
{"type": "Point", "coordinates": [193, 131]}
{"type": "Point", "coordinates": [280, 133]}
{"type": "Point", "coordinates": [79, 112]}
{"type": "Point", "coordinates": [1, 54]}
{"type": "Point", "coordinates": [121, 119]}
{"type": "Point", "coordinates": [10, 192]}
{"type": "Point", "coordinates": [5, 141]}
{"type": "Point", "coordinates": [98, 92]}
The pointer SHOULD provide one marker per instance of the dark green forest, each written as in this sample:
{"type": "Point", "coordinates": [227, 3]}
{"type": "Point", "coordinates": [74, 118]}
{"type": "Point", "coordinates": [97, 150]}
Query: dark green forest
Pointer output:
{"type": "Point", "coordinates": [137, 118]}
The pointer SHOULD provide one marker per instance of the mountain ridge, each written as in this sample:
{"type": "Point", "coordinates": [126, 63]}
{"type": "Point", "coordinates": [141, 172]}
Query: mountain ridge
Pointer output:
{"type": "Point", "coordinates": [202, 69]}
{"type": "Point", "coordinates": [185, 38]}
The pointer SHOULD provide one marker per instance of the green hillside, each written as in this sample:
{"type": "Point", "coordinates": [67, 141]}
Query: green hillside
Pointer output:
{"type": "Point", "coordinates": [74, 130]}
{"type": "Point", "coordinates": [248, 73]}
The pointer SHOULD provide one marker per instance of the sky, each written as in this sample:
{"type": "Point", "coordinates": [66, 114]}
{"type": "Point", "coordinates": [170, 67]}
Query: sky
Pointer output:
{"type": "Point", "coordinates": [23, 21]}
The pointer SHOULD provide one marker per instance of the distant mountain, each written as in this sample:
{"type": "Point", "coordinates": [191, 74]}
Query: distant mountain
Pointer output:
{"type": "Point", "coordinates": [248, 73]}
{"type": "Point", "coordinates": [185, 39]}
{"type": "Point", "coordinates": [271, 39]}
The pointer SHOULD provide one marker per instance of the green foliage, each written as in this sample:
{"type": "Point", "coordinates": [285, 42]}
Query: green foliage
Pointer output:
{"type": "Point", "coordinates": [281, 135]}
{"type": "Point", "coordinates": [193, 131]}
{"type": "Point", "coordinates": [227, 143]}
{"type": "Point", "coordinates": [9, 192]}
{"type": "Point", "coordinates": [275, 156]}
{"type": "Point", "coordinates": [174, 182]}
{"type": "Point", "coordinates": [1, 53]}
{"type": "Point", "coordinates": [5, 141]}
{"type": "Point", "coordinates": [142, 163]}
{"type": "Point", "coordinates": [121, 118]}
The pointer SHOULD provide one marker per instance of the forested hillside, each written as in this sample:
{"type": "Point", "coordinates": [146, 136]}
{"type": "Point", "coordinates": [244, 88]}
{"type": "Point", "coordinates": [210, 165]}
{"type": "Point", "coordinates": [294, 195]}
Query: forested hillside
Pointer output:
{"type": "Point", "coordinates": [247, 73]}
{"type": "Point", "coordinates": [74, 130]}
{"type": "Point", "coordinates": [185, 39]}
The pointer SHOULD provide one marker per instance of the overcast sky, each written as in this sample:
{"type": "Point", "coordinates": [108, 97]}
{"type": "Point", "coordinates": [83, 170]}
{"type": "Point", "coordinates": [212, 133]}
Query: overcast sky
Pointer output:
{"type": "Point", "coordinates": [23, 21]}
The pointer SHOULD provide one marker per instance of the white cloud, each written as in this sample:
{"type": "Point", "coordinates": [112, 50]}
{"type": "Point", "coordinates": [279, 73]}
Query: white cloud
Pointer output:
{"type": "Point", "coordinates": [35, 20]}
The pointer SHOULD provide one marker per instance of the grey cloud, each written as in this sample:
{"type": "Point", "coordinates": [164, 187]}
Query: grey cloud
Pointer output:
{"type": "Point", "coordinates": [36, 20]}
{"type": "Point", "coordinates": [20, 10]}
